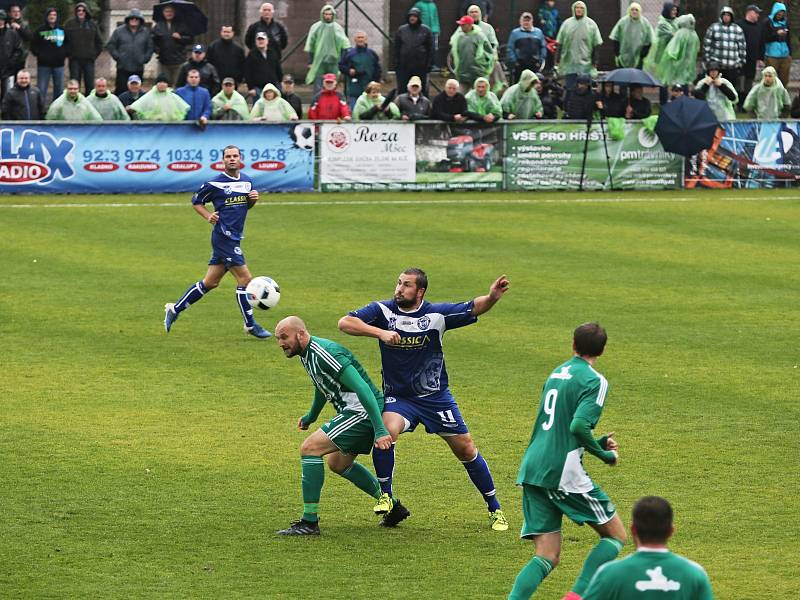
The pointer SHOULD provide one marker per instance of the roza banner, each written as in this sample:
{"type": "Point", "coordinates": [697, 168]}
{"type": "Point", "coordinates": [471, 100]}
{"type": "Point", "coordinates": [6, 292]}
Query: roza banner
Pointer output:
{"type": "Point", "coordinates": [366, 156]}
{"type": "Point", "coordinates": [549, 155]}
{"type": "Point", "coordinates": [144, 158]}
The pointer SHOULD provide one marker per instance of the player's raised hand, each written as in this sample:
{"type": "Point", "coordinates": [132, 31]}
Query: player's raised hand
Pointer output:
{"type": "Point", "coordinates": [302, 424]}
{"type": "Point", "coordinates": [499, 287]}
{"type": "Point", "coordinates": [384, 442]}
{"type": "Point", "coordinates": [391, 338]}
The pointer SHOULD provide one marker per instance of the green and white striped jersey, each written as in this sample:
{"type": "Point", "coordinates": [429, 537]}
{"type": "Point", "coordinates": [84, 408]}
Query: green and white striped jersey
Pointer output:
{"type": "Point", "coordinates": [553, 457]}
{"type": "Point", "coordinates": [324, 361]}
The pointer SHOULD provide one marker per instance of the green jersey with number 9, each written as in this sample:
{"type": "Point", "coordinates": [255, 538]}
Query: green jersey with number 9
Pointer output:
{"type": "Point", "coordinates": [553, 457]}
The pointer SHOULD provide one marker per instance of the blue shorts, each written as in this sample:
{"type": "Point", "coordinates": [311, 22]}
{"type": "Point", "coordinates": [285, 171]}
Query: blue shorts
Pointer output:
{"type": "Point", "coordinates": [438, 412]}
{"type": "Point", "coordinates": [225, 251]}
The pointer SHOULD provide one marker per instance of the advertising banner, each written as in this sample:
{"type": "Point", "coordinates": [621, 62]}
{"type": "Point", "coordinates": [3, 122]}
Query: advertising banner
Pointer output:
{"type": "Point", "coordinates": [145, 158]}
{"type": "Point", "coordinates": [749, 154]}
{"type": "Point", "coordinates": [549, 155]}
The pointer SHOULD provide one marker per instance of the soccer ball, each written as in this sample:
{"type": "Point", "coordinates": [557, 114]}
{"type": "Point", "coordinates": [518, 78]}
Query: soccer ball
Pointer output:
{"type": "Point", "coordinates": [263, 292]}
{"type": "Point", "coordinates": [303, 136]}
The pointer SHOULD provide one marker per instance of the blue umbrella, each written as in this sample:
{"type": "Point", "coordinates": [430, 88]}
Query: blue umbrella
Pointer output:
{"type": "Point", "coordinates": [632, 77]}
{"type": "Point", "coordinates": [686, 126]}
{"type": "Point", "coordinates": [188, 14]}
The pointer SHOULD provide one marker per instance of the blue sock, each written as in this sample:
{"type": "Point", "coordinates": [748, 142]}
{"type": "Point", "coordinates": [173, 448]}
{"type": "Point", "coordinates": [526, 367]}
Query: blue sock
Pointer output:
{"type": "Point", "coordinates": [383, 461]}
{"type": "Point", "coordinates": [190, 296]}
{"type": "Point", "coordinates": [479, 473]}
{"type": "Point", "coordinates": [244, 306]}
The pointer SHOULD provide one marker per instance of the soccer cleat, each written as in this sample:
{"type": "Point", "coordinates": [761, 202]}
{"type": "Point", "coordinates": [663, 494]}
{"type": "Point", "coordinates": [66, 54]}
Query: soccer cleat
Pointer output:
{"type": "Point", "coordinates": [498, 520]}
{"type": "Point", "coordinates": [572, 596]}
{"type": "Point", "coordinates": [384, 505]}
{"type": "Point", "coordinates": [258, 331]}
{"type": "Point", "coordinates": [170, 316]}
{"type": "Point", "coordinates": [394, 516]}
{"type": "Point", "coordinates": [301, 527]}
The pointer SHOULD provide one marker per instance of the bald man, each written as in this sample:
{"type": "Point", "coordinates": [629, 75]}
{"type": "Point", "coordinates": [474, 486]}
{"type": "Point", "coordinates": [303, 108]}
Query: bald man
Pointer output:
{"type": "Point", "coordinates": [358, 426]}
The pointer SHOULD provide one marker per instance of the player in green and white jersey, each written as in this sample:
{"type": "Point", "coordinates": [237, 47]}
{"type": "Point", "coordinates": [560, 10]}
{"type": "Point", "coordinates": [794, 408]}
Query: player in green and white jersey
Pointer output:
{"type": "Point", "coordinates": [341, 380]}
{"type": "Point", "coordinates": [652, 572]}
{"type": "Point", "coordinates": [552, 475]}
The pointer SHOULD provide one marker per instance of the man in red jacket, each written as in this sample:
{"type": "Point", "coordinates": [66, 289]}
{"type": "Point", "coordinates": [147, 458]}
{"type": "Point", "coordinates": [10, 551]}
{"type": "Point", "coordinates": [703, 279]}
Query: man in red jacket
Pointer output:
{"type": "Point", "coordinates": [329, 104]}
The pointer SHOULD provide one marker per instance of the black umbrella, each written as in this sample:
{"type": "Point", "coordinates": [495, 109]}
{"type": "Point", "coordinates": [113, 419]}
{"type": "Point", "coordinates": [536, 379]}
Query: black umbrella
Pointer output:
{"type": "Point", "coordinates": [187, 14]}
{"type": "Point", "coordinates": [6, 4]}
{"type": "Point", "coordinates": [686, 126]}
{"type": "Point", "coordinates": [632, 77]}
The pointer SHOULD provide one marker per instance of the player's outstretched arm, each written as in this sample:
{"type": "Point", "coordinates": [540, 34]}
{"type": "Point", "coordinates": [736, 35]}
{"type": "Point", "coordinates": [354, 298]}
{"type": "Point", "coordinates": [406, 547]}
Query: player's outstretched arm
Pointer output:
{"type": "Point", "coordinates": [483, 304]}
{"type": "Point", "coordinates": [352, 380]}
{"type": "Point", "coordinates": [354, 326]}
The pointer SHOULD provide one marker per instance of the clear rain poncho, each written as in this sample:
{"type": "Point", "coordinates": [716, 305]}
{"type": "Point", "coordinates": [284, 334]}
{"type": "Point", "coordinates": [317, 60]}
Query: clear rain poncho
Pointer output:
{"type": "Point", "coordinates": [768, 101]}
{"type": "Point", "coordinates": [679, 62]}
{"type": "Point", "coordinates": [109, 107]}
{"type": "Point", "coordinates": [719, 103]}
{"type": "Point", "coordinates": [486, 104]}
{"type": "Point", "coordinates": [472, 55]}
{"type": "Point", "coordinates": [65, 109]}
{"type": "Point", "coordinates": [577, 40]}
{"type": "Point", "coordinates": [664, 32]}
{"type": "Point", "coordinates": [325, 43]}
{"type": "Point", "coordinates": [521, 99]}
{"type": "Point", "coordinates": [160, 106]}
{"type": "Point", "coordinates": [239, 109]}
{"type": "Point", "coordinates": [365, 104]}
{"type": "Point", "coordinates": [486, 28]}
{"type": "Point", "coordinates": [275, 110]}
{"type": "Point", "coordinates": [633, 36]}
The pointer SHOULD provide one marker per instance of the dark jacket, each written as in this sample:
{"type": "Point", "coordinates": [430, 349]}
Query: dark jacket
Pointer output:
{"type": "Point", "coordinates": [170, 50]}
{"type": "Point", "coordinates": [641, 108]}
{"type": "Point", "coordinates": [259, 71]}
{"type": "Point", "coordinates": [296, 103]}
{"type": "Point", "coordinates": [127, 98]}
{"type": "Point", "coordinates": [131, 50]}
{"type": "Point", "coordinates": [413, 47]}
{"type": "Point", "coordinates": [276, 32]}
{"type": "Point", "coordinates": [209, 78]}
{"type": "Point", "coordinates": [228, 58]}
{"type": "Point", "coordinates": [445, 107]}
{"type": "Point", "coordinates": [50, 45]}
{"type": "Point", "coordinates": [415, 111]}
{"type": "Point", "coordinates": [754, 37]}
{"type": "Point", "coordinates": [84, 36]}
{"type": "Point", "coordinates": [794, 111]}
{"type": "Point", "coordinates": [579, 105]}
{"type": "Point", "coordinates": [23, 104]}
{"type": "Point", "coordinates": [613, 105]}
{"type": "Point", "coordinates": [11, 51]}
{"type": "Point", "coordinates": [771, 35]}
{"type": "Point", "coordinates": [367, 66]}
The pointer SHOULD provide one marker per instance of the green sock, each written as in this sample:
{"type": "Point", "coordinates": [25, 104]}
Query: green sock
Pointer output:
{"type": "Point", "coordinates": [530, 577]}
{"type": "Point", "coordinates": [360, 477]}
{"type": "Point", "coordinates": [605, 551]}
{"type": "Point", "coordinates": [313, 477]}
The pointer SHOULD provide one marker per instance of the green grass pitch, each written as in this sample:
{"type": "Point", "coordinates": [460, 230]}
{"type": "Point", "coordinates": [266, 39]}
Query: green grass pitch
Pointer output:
{"type": "Point", "coordinates": [137, 464]}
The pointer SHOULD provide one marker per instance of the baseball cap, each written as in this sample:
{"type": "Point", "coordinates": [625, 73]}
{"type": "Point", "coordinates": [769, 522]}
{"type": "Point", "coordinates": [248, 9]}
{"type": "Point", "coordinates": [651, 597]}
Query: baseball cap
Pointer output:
{"type": "Point", "coordinates": [229, 80]}
{"type": "Point", "coordinates": [198, 48]}
{"type": "Point", "coordinates": [261, 35]}
{"type": "Point", "coordinates": [329, 77]}
{"type": "Point", "coordinates": [754, 7]}
{"type": "Point", "coordinates": [465, 20]}
{"type": "Point", "coordinates": [134, 79]}
{"type": "Point", "coordinates": [415, 81]}
{"type": "Point", "coordinates": [288, 78]}
{"type": "Point", "coordinates": [527, 15]}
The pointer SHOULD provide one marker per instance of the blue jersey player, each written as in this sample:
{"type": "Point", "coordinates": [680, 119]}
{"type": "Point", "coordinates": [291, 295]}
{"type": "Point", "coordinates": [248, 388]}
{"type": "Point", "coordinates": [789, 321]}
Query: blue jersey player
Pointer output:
{"type": "Point", "coordinates": [410, 331]}
{"type": "Point", "coordinates": [232, 195]}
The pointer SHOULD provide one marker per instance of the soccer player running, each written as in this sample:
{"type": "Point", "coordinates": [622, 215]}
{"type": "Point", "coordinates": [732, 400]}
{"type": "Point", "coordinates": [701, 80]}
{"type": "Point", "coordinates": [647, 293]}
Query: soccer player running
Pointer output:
{"type": "Point", "coordinates": [409, 330]}
{"type": "Point", "coordinates": [652, 570]}
{"type": "Point", "coordinates": [341, 380]}
{"type": "Point", "coordinates": [552, 476]}
{"type": "Point", "coordinates": [232, 195]}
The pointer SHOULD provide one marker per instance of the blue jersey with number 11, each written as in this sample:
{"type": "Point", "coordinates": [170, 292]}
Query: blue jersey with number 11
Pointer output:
{"type": "Point", "coordinates": [229, 197]}
{"type": "Point", "coordinates": [415, 367]}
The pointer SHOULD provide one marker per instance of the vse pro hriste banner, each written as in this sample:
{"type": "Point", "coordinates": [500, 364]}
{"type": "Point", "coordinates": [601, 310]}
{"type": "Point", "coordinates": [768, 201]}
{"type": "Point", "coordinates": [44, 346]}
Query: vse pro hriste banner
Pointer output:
{"type": "Point", "coordinates": [150, 158]}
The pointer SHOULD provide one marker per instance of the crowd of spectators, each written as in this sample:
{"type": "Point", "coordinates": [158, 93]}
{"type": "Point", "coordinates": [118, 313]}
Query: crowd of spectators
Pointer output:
{"type": "Point", "coordinates": [546, 70]}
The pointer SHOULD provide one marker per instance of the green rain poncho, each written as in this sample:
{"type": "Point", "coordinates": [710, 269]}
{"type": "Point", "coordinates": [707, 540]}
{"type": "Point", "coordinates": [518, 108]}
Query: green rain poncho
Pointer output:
{"type": "Point", "coordinates": [239, 110]}
{"type": "Point", "coordinates": [160, 106]}
{"type": "Point", "coordinates": [765, 101]}
{"type": "Point", "coordinates": [679, 61]}
{"type": "Point", "coordinates": [664, 32]}
{"type": "Point", "coordinates": [521, 99]}
{"type": "Point", "coordinates": [109, 107]}
{"type": "Point", "coordinates": [633, 36]}
{"type": "Point", "coordinates": [276, 109]}
{"type": "Point", "coordinates": [486, 104]}
{"type": "Point", "coordinates": [487, 29]}
{"type": "Point", "coordinates": [365, 104]}
{"type": "Point", "coordinates": [472, 55]}
{"type": "Point", "coordinates": [430, 15]}
{"type": "Point", "coordinates": [64, 109]}
{"type": "Point", "coordinates": [577, 40]}
{"type": "Point", "coordinates": [325, 44]}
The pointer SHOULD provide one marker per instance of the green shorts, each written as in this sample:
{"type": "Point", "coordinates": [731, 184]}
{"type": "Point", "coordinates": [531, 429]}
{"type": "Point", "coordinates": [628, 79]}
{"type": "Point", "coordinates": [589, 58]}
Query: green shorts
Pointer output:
{"type": "Point", "coordinates": [351, 432]}
{"type": "Point", "coordinates": [542, 509]}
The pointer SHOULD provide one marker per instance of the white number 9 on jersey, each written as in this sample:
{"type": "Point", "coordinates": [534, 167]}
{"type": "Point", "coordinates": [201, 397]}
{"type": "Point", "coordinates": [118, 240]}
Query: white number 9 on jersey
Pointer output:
{"type": "Point", "coordinates": [550, 408]}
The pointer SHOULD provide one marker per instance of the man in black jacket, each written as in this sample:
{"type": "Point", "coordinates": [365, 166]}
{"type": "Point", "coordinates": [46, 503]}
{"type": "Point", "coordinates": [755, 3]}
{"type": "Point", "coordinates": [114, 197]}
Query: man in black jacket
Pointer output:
{"type": "Point", "coordinates": [413, 51]}
{"type": "Point", "coordinates": [130, 96]}
{"type": "Point", "coordinates": [170, 40]}
{"type": "Point", "coordinates": [10, 52]}
{"type": "Point", "coordinates": [450, 105]}
{"type": "Point", "coordinates": [209, 78]}
{"type": "Point", "coordinates": [754, 37]}
{"type": "Point", "coordinates": [413, 105]}
{"type": "Point", "coordinates": [50, 46]}
{"type": "Point", "coordinates": [85, 46]}
{"type": "Point", "coordinates": [582, 101]}
{"type": "Point", "coordinates": [287, 93]}
{"type": "Point", "coordinates": [275, 30]}
{"type": "Point", "coordinates": [262, 66]}
{"type": "Point", "coordinates": [131, 46]}
{"type": "Point", "coordinates": [226, 55]}
{"type": "Point", "coordinates": [23, 102]}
